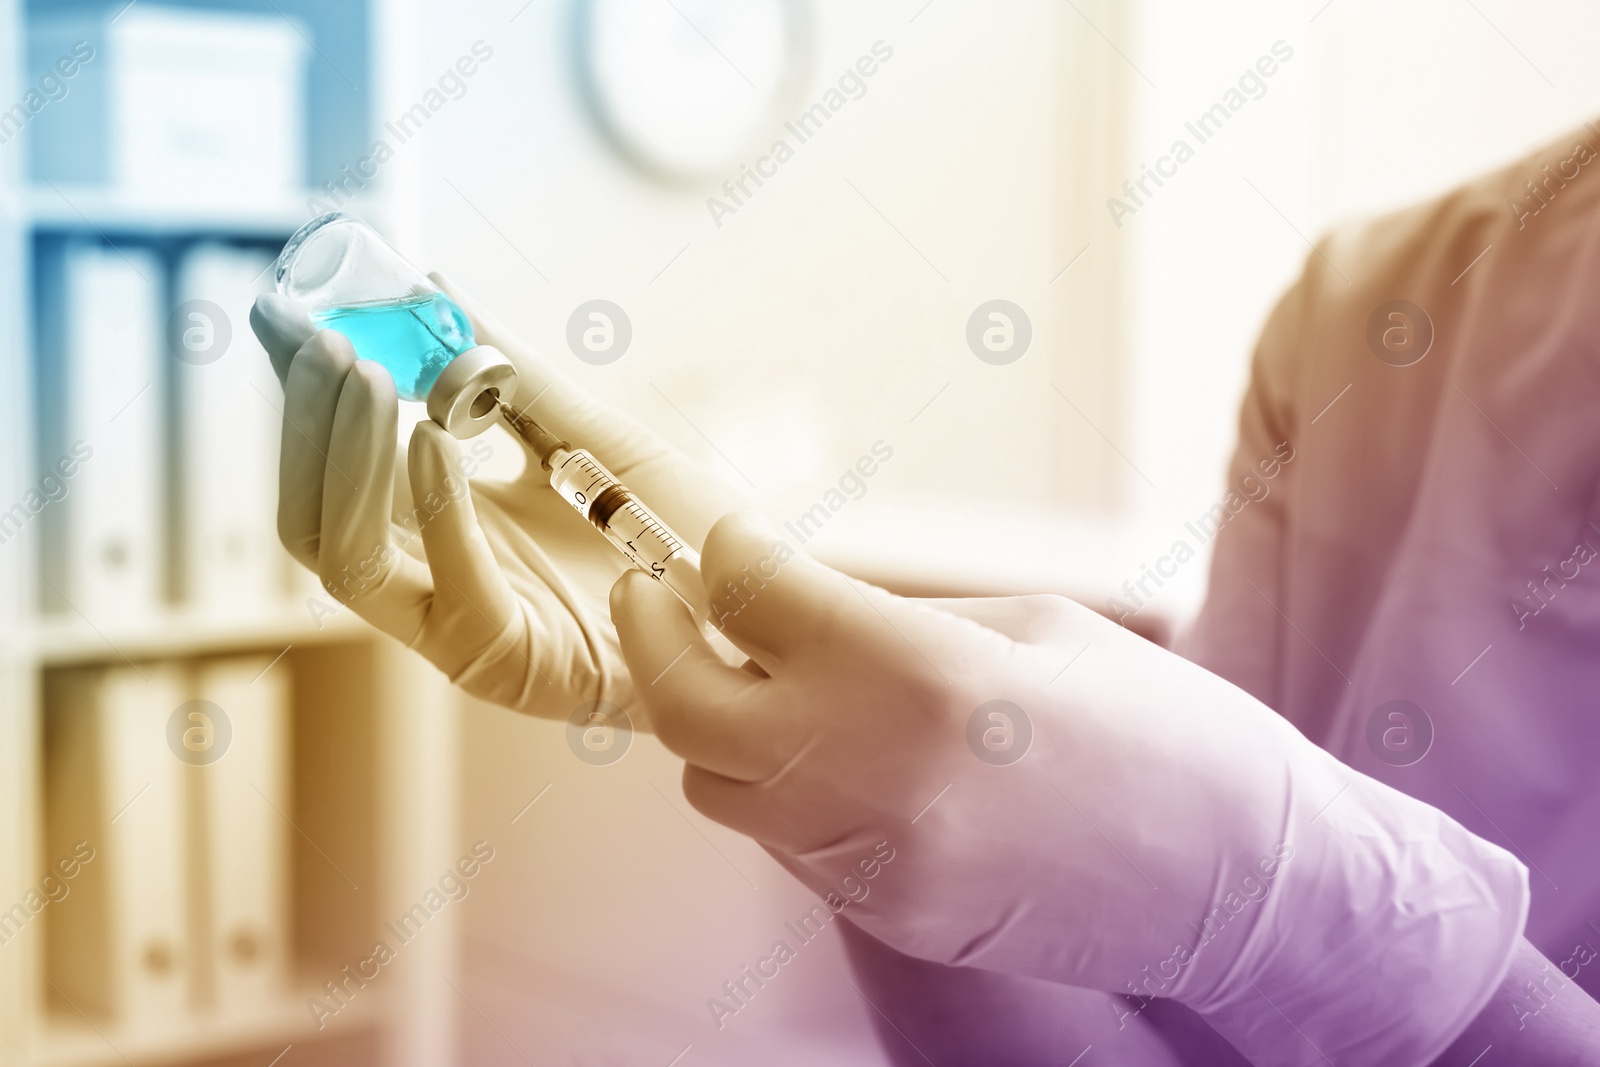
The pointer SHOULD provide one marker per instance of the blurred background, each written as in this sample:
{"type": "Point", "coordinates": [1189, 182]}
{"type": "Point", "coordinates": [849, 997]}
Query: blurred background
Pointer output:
{"type": "Point", "coordinates": [238, 828]}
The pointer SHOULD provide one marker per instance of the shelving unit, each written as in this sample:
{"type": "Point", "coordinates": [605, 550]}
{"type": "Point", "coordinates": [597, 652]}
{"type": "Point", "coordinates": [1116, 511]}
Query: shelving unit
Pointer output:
{"type": "Point", "coordinates": [71, 208]}
{"type": "Point", "coordinates": [277, 1024]}
{"type": "Point", "coordinates": [373, 744]}
{"type": "Point", "coordinates": [60, 642]}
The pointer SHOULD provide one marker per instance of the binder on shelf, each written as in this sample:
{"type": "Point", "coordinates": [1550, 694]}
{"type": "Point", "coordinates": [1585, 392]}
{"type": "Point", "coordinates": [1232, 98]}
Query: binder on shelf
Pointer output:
{"type": "Point", "coordinates": [245, 851]}
{"type": "Point", "coordinates": [117, 947]}
{"type": "Point", "coordinates": [228, 556]}
{"type": "Point", "coordinates": [102, 400]}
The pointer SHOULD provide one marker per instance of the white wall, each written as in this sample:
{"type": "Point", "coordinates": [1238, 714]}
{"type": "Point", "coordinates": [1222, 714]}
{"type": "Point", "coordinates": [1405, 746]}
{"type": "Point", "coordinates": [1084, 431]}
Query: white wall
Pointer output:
{"type": "Point", "coordinates": [1383, 103]}
{"type": "Point", "coordinates": [804, 328]}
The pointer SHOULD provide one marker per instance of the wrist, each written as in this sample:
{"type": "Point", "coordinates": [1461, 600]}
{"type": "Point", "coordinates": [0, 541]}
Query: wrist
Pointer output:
{"type": "Point", "coordinates": [1375, 947]}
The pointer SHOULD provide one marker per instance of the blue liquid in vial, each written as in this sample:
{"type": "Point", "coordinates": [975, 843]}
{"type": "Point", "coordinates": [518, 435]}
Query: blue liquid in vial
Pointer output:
{"type": "Point", "coordinates": [414, 339]}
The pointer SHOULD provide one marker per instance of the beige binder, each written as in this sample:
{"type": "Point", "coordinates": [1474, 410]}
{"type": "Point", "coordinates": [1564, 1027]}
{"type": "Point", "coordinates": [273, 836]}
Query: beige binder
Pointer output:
{"type": "Point", "coordinates": [116, 946]}
{"type": "Point", "coordinates": [229, 399]}
{"type": "Point", "coordinates": [103, 545]}
{"type": "Point", "coordinates": [245, 855]}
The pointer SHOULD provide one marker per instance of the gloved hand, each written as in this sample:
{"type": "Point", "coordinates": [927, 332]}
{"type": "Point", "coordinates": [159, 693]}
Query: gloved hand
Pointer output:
{"type": "Point", "coordinates": [1163, 835]}
{"type": "Point", "coordinates": [508, 598]}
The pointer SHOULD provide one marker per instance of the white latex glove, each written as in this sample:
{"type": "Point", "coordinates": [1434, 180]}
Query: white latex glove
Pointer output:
{"type": "Point", "coordinates": [1158, 809]}
{"type": "Point", "coordinates": [508, 598]}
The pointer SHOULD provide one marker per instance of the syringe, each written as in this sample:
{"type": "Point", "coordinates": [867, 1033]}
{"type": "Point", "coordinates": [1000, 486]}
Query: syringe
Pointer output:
{"type": "Point", "coordinates": [597, 495]}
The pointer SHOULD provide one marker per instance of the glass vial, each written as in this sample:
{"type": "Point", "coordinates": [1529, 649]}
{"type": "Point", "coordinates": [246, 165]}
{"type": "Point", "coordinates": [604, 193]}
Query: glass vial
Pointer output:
{"type": "Point", "coordinates": [351, 280]}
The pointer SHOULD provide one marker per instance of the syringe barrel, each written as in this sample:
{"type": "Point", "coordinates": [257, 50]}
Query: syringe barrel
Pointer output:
{"type": "Point", "coordinates": [682, 576]}
{"type": "Point", "coordinates": [636, 531]}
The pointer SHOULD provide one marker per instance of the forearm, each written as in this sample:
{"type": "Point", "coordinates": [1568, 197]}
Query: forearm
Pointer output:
{"type": "Point", "coordinates": [962, 1015]}
{"type": "Point", "coordinates": [1538, 1017]}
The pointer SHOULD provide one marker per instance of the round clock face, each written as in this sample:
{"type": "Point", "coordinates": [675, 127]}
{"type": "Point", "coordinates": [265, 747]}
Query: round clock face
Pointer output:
{"type": "Point", "coordinates": [686, 88]}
